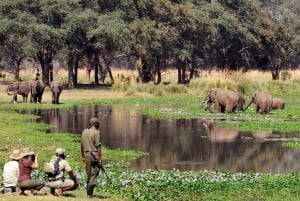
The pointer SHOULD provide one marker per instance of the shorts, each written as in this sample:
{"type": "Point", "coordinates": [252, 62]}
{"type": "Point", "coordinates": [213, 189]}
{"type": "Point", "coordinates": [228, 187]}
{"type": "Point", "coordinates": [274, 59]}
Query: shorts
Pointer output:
{"type": "Point", "coordinates": [61, 184]}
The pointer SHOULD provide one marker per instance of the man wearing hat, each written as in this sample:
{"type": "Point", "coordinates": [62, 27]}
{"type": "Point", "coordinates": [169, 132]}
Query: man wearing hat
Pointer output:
{"type": "Point", "coordinates": [91, 154]}
{"type": "Point", "coordinates": [58, 183]}
{"type": "Point", "coordinates": [28, 185]}
{"type": "Point", "coordinates": [11, 172]}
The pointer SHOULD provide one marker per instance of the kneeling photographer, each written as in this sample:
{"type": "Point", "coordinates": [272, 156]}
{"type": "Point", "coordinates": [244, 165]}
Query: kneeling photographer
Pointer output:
{"type": "Point", "coordinates": [27, 163]}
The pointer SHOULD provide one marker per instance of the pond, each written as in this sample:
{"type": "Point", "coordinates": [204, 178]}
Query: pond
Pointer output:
{"type": "Point", "coordinates": [184, 144]}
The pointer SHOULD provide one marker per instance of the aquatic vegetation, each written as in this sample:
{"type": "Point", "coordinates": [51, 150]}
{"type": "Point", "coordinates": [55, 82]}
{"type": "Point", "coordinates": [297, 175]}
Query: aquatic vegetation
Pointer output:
{"type": "Point", "coordinates": [181, 185]}
{"type": "Point", "coordinates": [295, 144]}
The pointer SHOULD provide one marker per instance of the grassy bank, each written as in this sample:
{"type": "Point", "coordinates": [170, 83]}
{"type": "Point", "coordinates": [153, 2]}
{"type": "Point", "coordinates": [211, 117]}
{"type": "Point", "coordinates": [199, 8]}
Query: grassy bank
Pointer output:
{"type": "Point", "coordinates": [17, 130]}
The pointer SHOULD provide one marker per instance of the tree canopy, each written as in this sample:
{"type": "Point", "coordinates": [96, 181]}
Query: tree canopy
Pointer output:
{"type": "Point", "coordinates": [188, 35]}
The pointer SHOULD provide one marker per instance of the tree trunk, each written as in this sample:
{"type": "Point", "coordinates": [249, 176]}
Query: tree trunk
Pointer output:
{"type": "Point", "coordinates": [107, 69]}
{"type": "Point", "coordinates": [179, 74]}
{"type": "Point", "coordinates": [50, 72]}
{"type": "Point", "coordinates": [193, 70]}
{"type": "Point", "coordinates": [88, 75]}
{"type": "Point", "coordinates": [18, 68]}
{"type": "Point", "coordinates": [96, 65]}
{"type": "Point", "coordinates": [45, 59]}
{"type": "Point", "coordinates": [71, 71]}
{"type": "Point", "coordinates": [157, 71]}
{"type": "Point", "coordinates": [110, 75]}
{"type": "Point", "coordinates": [276, 74]}
{"type": "Point", "coordinates": [183, 77]}
{"type": "Point", "coordinates": [181, 66]}
{"type": "Point", "coordinates": [139, 67]}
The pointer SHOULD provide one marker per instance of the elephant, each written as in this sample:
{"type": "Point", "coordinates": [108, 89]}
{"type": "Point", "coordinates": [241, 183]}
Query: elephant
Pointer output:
{"type": "Point", "coordinates": [224, 100]}
{"type": "Point", "coordinates": [21, 88]}
{"type": "Point", "coordinates": [278, 103]}
{"type": "Point", "coordinates": [241, 101]}
{"type": "Point", "coordinates": [263, 101]}
{"type": "Point", "coordinates": [220, 134]}
{"type": "Point", "coordinates": [36, 91]}
{"type": "Point", "coordinates": [56, 88]}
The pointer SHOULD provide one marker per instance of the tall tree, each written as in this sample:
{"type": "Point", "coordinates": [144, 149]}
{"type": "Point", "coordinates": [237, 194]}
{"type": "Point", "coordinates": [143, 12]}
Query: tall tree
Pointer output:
{"type": "Point", "coordinates": [111, 37]}
{"type": "Point", "coordinates": [77, 42]}
{"type": "Point", "coordinates": [14, 34]}
{"type": "Point", "coordinates": [48, 33]}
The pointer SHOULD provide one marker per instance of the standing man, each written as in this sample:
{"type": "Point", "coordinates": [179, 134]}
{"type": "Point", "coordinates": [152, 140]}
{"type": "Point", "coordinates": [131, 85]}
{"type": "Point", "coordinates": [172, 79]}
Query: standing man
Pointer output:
{"type": "Point", "coordinates": [91, 154]}
{"type": "Point", "coordinates": [11, 172]}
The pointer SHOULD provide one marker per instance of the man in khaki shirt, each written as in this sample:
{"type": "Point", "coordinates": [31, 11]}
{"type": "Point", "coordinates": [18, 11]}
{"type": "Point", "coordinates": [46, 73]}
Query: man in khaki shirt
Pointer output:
{"type": "Point", "coordinates": [91, 154]}
{"type": "Point", "coordinates": [59, 184]}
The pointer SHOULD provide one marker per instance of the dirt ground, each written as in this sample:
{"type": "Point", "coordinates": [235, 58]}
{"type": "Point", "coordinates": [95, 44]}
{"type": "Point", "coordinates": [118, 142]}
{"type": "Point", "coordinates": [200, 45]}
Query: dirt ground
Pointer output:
{"type": "Point", "coordinates": [74, 94]}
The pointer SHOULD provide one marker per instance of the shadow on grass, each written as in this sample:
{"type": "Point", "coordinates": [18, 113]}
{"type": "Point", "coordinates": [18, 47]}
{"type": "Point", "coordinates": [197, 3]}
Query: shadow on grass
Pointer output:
{"type": "Point", "coordinates": [69, 195]}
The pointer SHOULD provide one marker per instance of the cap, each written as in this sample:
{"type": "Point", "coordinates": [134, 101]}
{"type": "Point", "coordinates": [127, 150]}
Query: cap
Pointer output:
{"type": "Point", "coordinates": [94, 120]}
{"type": "Point", "coordinates": [16, 154]}
{"type": "Point", "coordinates": [59, 151]}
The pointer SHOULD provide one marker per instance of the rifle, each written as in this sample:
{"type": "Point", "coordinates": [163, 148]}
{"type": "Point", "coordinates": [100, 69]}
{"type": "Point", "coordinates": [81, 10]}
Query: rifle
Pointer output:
{"type": "Point", "coordinates": [96, 163]}
{"type": "Point", "coordinates": [102, 168]}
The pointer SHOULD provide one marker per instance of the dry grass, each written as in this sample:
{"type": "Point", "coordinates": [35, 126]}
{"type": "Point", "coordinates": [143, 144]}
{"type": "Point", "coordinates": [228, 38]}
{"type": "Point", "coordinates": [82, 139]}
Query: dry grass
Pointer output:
{"type": "Point", "coordinates": [75, 94]}
{"type": "Point", "coordinates": [125, 83]}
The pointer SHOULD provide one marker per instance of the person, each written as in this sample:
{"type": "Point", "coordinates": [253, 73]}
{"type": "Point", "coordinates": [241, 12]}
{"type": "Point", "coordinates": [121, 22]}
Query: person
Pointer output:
{"type": "Point", "coordinates": [27, 163]}
{"type": "Point", "coordinates": [11, 172]}
{"type": "Point", "coordinates": [59, 184]}
{"type": "Point", "coordinates": [91, 154]}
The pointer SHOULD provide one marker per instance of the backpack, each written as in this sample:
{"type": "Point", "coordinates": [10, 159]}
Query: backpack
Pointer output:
{"type": "Point", "coordinates": [52, 168]}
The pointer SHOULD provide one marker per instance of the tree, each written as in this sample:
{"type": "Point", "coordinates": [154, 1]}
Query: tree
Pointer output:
{"type": "Point", "coordinates": [77, 42]}
{"type": "Point", "coordinates": [48, 33]}
{"type": "Point", "coordinates": [111, 37]}
{"type": "Point", "coordinates": [14, 34]}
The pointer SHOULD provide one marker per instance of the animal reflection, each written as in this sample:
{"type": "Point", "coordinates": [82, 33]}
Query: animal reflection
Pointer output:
{"type": "Point", "coordinates": [220, 134]}
{"type": "Point", "coordinates": [261, 135]}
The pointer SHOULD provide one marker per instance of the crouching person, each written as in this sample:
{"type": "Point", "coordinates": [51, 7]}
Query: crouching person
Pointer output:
{"type": "Point", "coordinates": [11, 173]}
{"type": "Point", "coordinates": [56, 180]}
{"type": "Point", "coordinates": [27, 163]}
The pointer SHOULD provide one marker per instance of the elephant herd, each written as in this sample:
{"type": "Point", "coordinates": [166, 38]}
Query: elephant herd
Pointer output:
{"type": "Point", "coordinates": [35, 89]}
{"type": "Point", "coordinates": [229, 101]}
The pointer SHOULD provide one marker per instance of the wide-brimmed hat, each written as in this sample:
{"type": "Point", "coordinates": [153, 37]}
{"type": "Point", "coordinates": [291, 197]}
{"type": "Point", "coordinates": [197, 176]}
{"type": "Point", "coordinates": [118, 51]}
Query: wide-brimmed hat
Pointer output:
{"type": "Point", "coordinates": [26, 152]}
{"type": "Point", "coordinates": [94, 120]}
{"type": "Point", "coordinates": [59, 151]}
{"type": "Point", "coordinates": [16, 154]}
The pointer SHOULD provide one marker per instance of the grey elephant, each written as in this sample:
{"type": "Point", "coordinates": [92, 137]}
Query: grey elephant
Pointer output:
{"type": "Point", "coordinates": [263, 101]}
{"type": "Point", "coordinates": [36, 91]}
{"type": "Point", "coordinates": [241, 101]}
{"type": "Point", "coordinates": [21, 88]}
{"type": "Point", "coordinates": [56, 88]}
{"type": "Point", "coordinates": [224, 100]}
{"type": "Point", "coordinates": [278, 103]}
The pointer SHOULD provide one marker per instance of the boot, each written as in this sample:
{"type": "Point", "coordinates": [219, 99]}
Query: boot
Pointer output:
{"type": "Point", "coordinates": [89, 190]}
{"type": "Point", "coordinates": [52, 191]}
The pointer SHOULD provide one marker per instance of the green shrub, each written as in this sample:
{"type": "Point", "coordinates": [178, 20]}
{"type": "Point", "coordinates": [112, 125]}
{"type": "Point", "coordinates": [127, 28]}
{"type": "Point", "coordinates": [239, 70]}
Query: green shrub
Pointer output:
{"type": "Point", "coordinates": [285, 75]}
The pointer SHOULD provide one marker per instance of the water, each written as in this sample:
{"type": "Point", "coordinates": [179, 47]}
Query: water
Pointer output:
{"type": "Point", "coordinates": [185, 144]}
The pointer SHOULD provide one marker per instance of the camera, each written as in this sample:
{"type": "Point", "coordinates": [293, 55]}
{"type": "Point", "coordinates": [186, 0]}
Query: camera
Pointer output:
{"type": "Point", "coordinates": [32, 157]}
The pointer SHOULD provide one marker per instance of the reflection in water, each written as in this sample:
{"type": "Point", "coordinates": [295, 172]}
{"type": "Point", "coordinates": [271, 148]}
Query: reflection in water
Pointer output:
{"type": "Point", "coordinates": [186, 144]}
{"type": "Point", "coordinates": [220, 134]}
